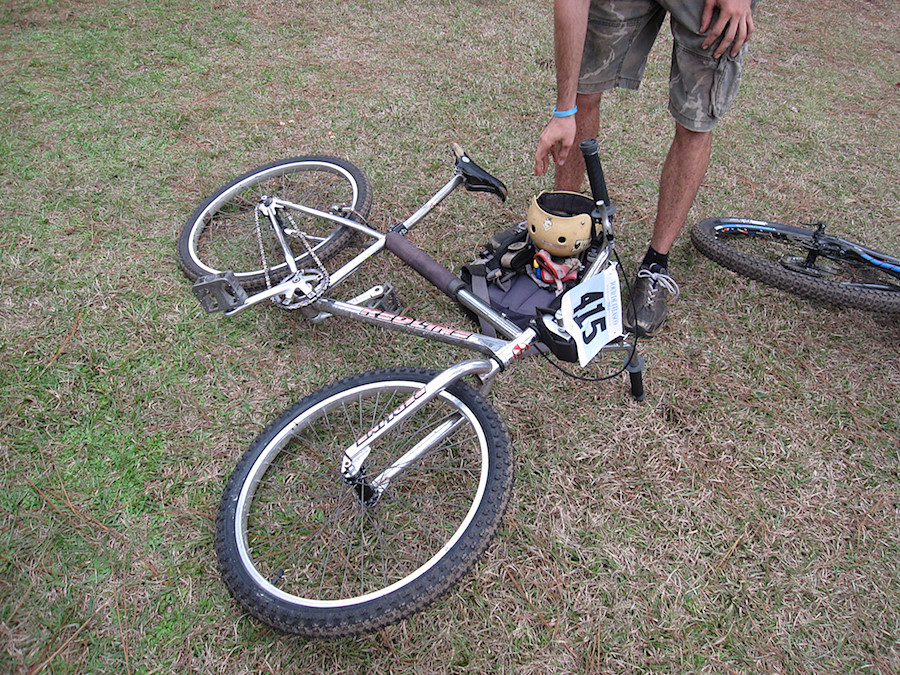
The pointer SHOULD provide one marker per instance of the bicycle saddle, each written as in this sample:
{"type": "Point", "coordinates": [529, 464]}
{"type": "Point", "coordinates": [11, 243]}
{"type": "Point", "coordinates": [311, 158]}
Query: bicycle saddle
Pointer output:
{"type": "Point", "coordinates": [476, 179]}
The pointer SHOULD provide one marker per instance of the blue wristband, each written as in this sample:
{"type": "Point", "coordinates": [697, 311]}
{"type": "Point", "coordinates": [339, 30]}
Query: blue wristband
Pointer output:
{"type": "Point", "coordinates": [565, 113]}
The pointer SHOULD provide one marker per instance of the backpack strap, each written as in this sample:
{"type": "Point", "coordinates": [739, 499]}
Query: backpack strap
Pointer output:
{"type": "Point", "coordinates": [555, 273]}
{"type": "Point", "coordinates": [476, 274]}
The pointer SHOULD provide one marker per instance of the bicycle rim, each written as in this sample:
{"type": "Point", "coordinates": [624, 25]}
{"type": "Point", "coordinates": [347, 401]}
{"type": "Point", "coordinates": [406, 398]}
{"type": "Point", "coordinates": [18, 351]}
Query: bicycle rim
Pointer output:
{"type": "Point", "coordinates": [228, 234]}
{"type": "Point", "coordinates": [324, 561]}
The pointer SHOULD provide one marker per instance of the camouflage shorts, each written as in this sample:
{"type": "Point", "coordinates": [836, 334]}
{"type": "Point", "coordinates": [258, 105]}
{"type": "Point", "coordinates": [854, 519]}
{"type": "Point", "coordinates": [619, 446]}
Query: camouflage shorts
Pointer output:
{"type": "Point", "coordinates": [619, 37]}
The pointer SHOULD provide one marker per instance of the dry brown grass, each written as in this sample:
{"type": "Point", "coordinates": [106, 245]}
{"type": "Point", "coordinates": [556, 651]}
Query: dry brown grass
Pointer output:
{"type": "Point", "coordinates": [745, 518]}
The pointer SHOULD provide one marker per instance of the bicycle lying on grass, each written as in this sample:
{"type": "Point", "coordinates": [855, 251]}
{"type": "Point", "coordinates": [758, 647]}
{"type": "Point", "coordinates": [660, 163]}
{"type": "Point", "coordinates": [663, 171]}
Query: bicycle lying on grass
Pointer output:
{"type": "Point", "coordinates": [804, 261]}
{"type": "Point", "coordinates": [368, 499]}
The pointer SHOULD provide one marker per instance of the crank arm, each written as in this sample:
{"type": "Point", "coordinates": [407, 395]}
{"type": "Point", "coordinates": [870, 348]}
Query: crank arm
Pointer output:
{"type": "Point", "coordinates": [288, 287]}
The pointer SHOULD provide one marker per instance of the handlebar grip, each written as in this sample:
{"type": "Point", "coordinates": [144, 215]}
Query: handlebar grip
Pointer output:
{"type": "Point", "coordinates": [590, 149]}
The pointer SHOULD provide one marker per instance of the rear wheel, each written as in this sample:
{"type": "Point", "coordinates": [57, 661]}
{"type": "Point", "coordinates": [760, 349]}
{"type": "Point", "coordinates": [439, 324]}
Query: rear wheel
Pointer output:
{"type": "Point", "coordinates": [309, 552]}
{"type": "Point", "coordinates": [803, 261]}
{"type": "Point", "coordinates": [227, 232]}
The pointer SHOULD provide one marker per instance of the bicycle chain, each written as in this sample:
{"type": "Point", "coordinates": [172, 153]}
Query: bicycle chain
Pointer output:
{"type": "Point", "coordinates": [312, 254]}
{"type": "Point", "coordinates": [324, 278]}
{"type": "Point", "coordinates": [262, 250]}
{"type": "Point", "coordinates": [321, 272]}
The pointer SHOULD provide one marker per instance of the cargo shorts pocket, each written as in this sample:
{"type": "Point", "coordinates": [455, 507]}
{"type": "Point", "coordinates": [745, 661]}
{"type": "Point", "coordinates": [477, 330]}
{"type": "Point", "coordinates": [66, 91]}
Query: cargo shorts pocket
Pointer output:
{"type": "Point", "coordinates": [701, 87]}
{"type": "Point", "coordinates": [726, 83]}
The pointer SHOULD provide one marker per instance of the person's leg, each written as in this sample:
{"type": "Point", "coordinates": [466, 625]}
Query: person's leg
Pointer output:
{"type": "Point", "coordinates": [682, 173]}
{"type": "Point", "coordinates": [620, 34]}
{"type": "Point", "coordinates": [570, 176]}
{"type": "Point", "coordinates": [701, 89]}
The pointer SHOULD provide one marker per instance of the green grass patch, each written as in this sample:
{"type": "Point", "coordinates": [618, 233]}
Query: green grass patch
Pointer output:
{"type": "Point", "coordinates": [743, 519]}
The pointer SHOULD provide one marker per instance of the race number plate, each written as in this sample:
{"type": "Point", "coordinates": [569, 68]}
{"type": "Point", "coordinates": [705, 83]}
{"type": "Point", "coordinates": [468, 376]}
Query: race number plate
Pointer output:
{"type": "Point", "coordinates": [592, 313]}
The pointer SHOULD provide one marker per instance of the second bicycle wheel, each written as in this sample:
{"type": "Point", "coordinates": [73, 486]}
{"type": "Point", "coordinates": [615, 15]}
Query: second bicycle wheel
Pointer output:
{"type": "Point", "coordinates": [798, 260]}
{"type": "Point", "coordinates": [306, 552]}
{"type": "Point", "coordinates": [227, 233]}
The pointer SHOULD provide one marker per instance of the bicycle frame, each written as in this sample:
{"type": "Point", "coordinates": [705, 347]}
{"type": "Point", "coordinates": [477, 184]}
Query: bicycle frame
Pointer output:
{"type": "Point", "coordinates": [301, 283]}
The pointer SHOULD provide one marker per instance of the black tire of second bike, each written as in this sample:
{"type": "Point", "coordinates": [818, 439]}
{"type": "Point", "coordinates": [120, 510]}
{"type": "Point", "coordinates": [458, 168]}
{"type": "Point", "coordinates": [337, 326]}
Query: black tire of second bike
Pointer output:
{"type": "Point", "coordinates": [752, 264]}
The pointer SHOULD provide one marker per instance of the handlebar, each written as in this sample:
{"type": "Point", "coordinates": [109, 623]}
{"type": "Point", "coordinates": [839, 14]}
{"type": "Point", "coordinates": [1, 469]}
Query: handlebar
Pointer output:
{"type": "Point", "coordinates": [590, 149]}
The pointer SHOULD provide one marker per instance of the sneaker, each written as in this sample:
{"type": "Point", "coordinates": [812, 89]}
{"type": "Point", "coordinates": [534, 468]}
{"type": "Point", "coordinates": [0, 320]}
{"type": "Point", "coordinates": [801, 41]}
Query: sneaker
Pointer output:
{"type": "Point", "coordinates": [646, 311]}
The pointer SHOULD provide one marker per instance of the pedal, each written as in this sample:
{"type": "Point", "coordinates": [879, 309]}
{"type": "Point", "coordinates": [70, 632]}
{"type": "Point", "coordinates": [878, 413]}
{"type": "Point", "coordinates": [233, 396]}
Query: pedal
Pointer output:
{"type": "Point", "coordinates": [219, 292]}
{"type": "Point", "coordinates": [387, 301]}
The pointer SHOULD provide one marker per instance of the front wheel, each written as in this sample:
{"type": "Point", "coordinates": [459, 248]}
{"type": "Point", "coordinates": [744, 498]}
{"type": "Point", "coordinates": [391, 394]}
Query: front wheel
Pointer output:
{"type": "Point", "coordinates": [308, 552]}
{"type": "Point", "coordinates": [227, 233]}
{"type": "Point", "coordinates": [803, 261]}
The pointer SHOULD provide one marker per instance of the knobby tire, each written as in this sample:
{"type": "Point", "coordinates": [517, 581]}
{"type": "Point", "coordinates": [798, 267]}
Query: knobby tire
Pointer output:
{"type": "Point", "coordinates": [300, 550]}
{"type": "Point", "coordinates": [774, 254]}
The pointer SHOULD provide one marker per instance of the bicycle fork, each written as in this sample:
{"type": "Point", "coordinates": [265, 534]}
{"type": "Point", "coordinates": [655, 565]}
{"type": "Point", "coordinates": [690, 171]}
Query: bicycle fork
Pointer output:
{"type": "Point", "coordinates": [352, 469]}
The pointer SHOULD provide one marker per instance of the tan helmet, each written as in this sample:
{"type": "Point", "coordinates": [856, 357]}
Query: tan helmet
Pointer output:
{"type": "Point", "coordinates": [560, 223]}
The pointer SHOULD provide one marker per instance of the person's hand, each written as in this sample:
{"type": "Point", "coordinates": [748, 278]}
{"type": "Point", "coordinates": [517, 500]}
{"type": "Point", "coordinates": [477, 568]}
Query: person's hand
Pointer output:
{"type": "Point", "coordinates": [734, 25]}
{"type": "Point", "coordinates": [555, 142]}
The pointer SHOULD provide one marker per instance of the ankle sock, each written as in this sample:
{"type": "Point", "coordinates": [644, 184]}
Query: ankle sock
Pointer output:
{"type": "Point", "coordinates": [653, 256]}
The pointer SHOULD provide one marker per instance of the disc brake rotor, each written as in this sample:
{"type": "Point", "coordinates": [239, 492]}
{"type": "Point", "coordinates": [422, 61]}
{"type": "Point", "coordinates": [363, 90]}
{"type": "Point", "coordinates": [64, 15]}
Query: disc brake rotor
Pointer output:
{"type": "Point", "coordinates": [798, 264]}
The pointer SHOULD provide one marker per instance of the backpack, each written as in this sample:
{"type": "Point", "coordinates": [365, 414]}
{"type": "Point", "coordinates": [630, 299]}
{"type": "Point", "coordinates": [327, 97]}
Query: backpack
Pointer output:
{"type": "Point", "coordinates": [500, 277]}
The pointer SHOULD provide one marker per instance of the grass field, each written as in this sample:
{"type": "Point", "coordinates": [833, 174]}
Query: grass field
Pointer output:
{"type": "Point", "coordinates": [744, 518]}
